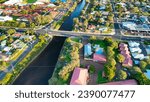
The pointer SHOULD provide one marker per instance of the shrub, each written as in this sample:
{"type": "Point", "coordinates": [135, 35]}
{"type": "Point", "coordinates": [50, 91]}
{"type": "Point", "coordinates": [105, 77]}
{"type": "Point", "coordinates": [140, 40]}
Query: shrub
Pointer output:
{"type": "Point", "coordinates": [92, 69]}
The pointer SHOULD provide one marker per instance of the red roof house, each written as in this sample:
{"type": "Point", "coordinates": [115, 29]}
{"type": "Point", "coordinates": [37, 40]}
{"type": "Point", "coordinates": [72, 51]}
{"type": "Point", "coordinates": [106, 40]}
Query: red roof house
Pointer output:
{"type": "Point", "coordinates": [125, 52]}
{"type": "Point", "coordinates": [79, 77]}
{"type": "Point", "coordinates": [99, 58]}
{"type": "Point", "coordinates": [128, 62]}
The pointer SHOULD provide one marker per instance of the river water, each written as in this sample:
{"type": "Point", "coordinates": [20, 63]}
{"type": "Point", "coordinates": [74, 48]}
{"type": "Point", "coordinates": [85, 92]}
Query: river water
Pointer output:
{"type": "Point", "coordinates": [41, 69]}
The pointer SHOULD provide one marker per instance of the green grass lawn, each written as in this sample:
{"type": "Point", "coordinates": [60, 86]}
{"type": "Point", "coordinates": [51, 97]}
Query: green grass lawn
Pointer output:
{"type": "Point", "coordinates": [100, 79]}
{"type": "Point", "coordinates": [31, 1]}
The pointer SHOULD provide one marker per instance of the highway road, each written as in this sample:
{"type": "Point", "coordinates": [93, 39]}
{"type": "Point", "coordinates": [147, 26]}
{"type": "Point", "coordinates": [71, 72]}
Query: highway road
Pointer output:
{"type": "Point", "coordinates": [83, 34]}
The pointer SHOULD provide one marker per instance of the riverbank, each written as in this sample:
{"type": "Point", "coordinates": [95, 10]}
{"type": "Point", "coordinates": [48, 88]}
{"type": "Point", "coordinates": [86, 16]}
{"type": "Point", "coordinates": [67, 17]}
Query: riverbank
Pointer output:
{"type": "Point", "coordinates": [57, 25]}
{"type": "Point", "coordinates": [41, 69]}
{"type": "Point", "coordinates": [68, 60]}
{"type": "Point", "coordinates": [21, 66]}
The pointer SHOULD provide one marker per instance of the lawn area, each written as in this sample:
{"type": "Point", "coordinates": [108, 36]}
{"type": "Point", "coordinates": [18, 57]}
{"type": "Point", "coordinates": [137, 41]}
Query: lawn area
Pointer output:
{"type": "Point", "coordinates": [102, 43]}
{"type": "Point", "coordinates": [30, 1]}
{"type": "Point", "coordinates": [100, 79]}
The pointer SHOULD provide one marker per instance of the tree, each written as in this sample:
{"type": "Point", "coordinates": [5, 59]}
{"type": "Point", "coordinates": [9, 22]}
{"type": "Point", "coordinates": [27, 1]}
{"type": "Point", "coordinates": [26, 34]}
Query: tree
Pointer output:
{"type": "Point", "coordinates": [135, 10]}
{"type": "Point", "coordinates": [32, 25]}
{"type": "Point", "coordinates": [86, 23]}
{"type": "Point", "coordinates": [112, 62]}
{"type": "Point", "coordinates": [120, 58]}
{"type": "Point", "coordinates": [22, 25]}
{"type": "Point", "coordinates": [143, 65]}
{"type": "Point", "coordinates": [122, 75]}
{"type": "Point", "coordinates": [92, 69]}
{"type": "Point", "coordinates": [109, 71]}
{"type": "Point", "coordinates": [93, 38]}
{"type": "Point", "coordinates": [135, 70]}
{"type": "Point", "coordinates": [11, 31]}
{"type": "Point", "coordinates": [114, 45]}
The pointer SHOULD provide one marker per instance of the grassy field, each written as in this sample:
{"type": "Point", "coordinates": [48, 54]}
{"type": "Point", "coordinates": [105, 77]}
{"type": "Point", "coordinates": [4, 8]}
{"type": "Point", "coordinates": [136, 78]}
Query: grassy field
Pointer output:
{"type": "Point", "coordinates": [30, 1]}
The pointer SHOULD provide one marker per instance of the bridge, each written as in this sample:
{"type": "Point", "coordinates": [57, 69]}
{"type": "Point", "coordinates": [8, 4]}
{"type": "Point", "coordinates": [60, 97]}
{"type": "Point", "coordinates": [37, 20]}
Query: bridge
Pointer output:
{"type": "Point", "coordinates": [84, 34]}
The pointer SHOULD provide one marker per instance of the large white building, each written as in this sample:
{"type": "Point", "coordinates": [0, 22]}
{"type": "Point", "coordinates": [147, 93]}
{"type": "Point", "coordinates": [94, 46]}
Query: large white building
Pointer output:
{"type": "Point", "coordinates": [5, 18]}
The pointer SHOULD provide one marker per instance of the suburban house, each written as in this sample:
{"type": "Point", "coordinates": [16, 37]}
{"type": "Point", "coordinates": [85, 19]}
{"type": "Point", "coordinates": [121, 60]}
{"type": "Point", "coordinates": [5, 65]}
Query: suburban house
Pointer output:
{"type": "Point", "coordinates": [4, 57]}
{"type": "Point", "coordinates": [136, 51]}
{"type": "Point", "coordinates": [95, 53]}
{"type": "Point", "coordinates": [144, 19]}
{"type": "Point", "coordinates": [87, 51]}
{"type": "Point", "coordinates": [80, 77]}
{"type": "Point", "coordinates": [5, 18]}
{"type": "Point", "coordinates": [3, 43]}
{"type": "Point", "coordinates": [128, 25]}
{"type": "Point", "coordinates": [99, 56]}
{"type": "Point", "coordinates": [18, 44]}
{"type": "Point", "coordinates": [125, 52]}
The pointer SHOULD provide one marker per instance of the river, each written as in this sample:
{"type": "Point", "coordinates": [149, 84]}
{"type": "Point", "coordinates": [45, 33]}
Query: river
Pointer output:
{"type": "Point", "coordinates": [68, 23]}
{"type": "Point", "coordinates": [41, 69]}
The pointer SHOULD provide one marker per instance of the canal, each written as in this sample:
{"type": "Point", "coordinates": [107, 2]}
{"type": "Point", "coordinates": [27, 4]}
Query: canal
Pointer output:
{"type": "Point", "coordinates": [41, 69]}
{"type": "Point", "coordinates": [68, 23]}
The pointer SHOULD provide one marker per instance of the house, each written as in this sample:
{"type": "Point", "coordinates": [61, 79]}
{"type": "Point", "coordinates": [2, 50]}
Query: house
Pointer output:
{"type": "Point", "coordinates": [98, 56]}
{"type": "Point", "coordinates": [137, 49]}
{"type": "Point", "coordinates": [129, 25]}
{"type": "Point", "coordinates": [138, 56]}
{"type": "Point", "coordinates": [51, 5]}
{"type": "Point", "coordinates": [122, 4]}
{"type": "Point", "coordinates": [7, 49]}
{"type": "Point", "coordinates": [133, 44]}
{"type": "Point", "coordinates": [126, 82]}
{"type": "Point", "coordinates": [125, 52]}
{"type": "Point", "coordinates": [3, 43]}
{"type": "Point", "coordinates": [44, 1]}
{"type": "Point", "coordinates": [87, 50]}
{"type": "Point", "coordinates": [18, 44]}
{"type": "Point", "coordinates": [38, 3]}
{"type": "Point", "coordinates": [127, 62]}
{"type": "Point", "coordinates": [80, 77]}
{"type": "Point", "coordinates": [91, 27]}
{"type": "Point", "coordinates": [103, 7]}
{"type": "Point", "coordinates": [16, 35]}
{"type": "Point", "coordinates": [4, 57]}
{"type": "Point", "coordinates": [144, 19]}
{"type": "Point", "coordinates": [5, 18]}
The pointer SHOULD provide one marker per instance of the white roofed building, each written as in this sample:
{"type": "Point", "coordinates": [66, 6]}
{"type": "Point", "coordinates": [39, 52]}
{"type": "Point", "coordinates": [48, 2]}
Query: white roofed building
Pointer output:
{"type": "Point", "coordinates": [5, 18]}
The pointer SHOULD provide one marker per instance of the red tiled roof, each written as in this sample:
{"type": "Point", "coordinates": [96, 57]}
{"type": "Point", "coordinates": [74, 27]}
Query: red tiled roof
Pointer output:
{"type": "Point", "coordinates": [97, 57]}
{"type": "Point", "coordinates": [79, 76]}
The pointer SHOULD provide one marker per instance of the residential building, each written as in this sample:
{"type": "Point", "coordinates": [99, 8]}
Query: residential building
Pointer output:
{"type": "Point", "coordinates": [144, 19]}
{"type": "Point", "coordinates": [99, 56]}
{"type": "Point", "coordinates": [87, 50]}
{"type": "Point", "coordinates": [125, 52]}
{"type": "Point", "coordinates": [4, 57]}
{"type": "Point", "coordinates": [80, 76]}
{"type": "Point", "coordinates": [5, 18]}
